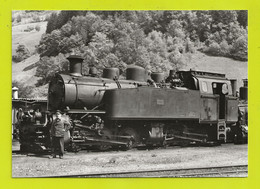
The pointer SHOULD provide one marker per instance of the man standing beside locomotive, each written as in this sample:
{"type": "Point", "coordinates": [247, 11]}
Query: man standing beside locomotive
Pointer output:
{"type": "Point", "coordinates": [58, 127]}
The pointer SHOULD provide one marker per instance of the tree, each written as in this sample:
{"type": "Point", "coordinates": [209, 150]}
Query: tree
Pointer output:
{"type": "Point", "coordinates": [99, 51]}
{"type": "Point", "coordinates": [142, 57]}
{"type": "Point", "coordinates": [21, 53]}
{"type": "Point", "coordinates": [55, 43]}
{"type": "Point", "coordinates": [242, 18]}
{"type": "Point", "coordinates": [157, 40]}
{"type": "Point", "coordinates": [234, 31]}
{"type": "Point", "coordinates": [202, 25]}
{"type": "Point", "coordinates": [84, 26]}
{"type": "Point", "coordinates": [239, 50]}
{"type": "Point", "coordinates": [175, 29]}
{"type": "Point", "coordinates": [52, 22]}
{"type": "Point", "coordinates": [57, 21]}
{"type": "Point", "coordinates": [225, 17]}
{"type": "Point", "coordinates": [48, 66]}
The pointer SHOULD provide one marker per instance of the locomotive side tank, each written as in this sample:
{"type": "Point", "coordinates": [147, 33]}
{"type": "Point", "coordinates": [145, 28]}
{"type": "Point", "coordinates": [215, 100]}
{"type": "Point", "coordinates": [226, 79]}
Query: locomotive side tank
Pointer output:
{"type": "Point", "coordinates": [147, 103]}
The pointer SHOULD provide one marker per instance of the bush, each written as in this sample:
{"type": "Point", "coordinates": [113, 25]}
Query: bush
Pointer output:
{"type": "Point", "coordinates": [239, 50]}
{"type": "Point", "coordinates": [36, 19]}
{"type": "Point", "coordinates": [17, 58]}
{"type": "Point", "coordinates": [21, 53]}
{"type": "Point", "coordinates": [224, 48]}
{"type": "Point", "coordinates": [37, 28]}
{"type": "Point", "coordinates": [29, 29]}
{"type": "Point", "coordinates": [214, 49]}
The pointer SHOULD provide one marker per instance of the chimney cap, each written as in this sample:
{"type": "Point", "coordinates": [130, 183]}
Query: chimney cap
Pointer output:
{"type": "Point", "coordinates": [15, 89]}
{"type": "Point", "coordinates": [75, 57]}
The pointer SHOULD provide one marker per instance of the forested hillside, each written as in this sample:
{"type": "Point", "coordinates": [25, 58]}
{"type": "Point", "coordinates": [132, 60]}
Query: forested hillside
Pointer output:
{"type": "Point", "coordinates": [155, 40]}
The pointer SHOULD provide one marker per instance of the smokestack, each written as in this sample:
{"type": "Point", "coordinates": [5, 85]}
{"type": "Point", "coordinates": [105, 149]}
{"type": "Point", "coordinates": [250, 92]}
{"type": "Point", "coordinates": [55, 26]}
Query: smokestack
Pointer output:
{"type": "Point", "coordinates": [15, 92]}
{"type": "Point", "coordinates": [234, 86]}
{"type": "Point", "coordinates": [75, 65]}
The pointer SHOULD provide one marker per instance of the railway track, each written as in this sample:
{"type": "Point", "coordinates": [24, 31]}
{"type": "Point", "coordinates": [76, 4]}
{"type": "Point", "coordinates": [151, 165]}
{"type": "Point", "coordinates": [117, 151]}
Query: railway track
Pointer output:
{"type": "Point", "coordinates": [222, 171]}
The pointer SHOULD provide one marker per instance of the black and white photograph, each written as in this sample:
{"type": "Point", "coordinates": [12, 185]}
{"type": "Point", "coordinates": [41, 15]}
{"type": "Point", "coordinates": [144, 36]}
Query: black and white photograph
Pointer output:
{"type": "Point", "coordinates": [129, 94]}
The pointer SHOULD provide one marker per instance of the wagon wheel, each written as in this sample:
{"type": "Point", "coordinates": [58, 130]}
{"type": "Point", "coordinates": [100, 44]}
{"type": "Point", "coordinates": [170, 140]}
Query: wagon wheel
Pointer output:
{"type": "Point", "coordinates": [106, 134]}
{"type": "Point", "coordinates": [134, 137]}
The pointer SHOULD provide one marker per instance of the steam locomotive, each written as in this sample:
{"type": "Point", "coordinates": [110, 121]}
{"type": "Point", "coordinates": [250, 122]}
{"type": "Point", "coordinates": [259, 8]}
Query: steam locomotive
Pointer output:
{"type": "Point", "coordinates": [145, 109]}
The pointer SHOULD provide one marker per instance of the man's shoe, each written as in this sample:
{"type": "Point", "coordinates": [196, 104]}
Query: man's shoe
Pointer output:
{"type": "Point", "coordinates": [61, 157]}
{"type": "Point", "coordinates": [52, 156]}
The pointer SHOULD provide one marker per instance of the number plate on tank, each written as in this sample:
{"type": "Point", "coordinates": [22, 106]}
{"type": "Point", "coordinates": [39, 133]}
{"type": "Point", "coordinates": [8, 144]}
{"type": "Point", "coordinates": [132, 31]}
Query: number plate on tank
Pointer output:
{"type": "Point", "coordinates": [160, 102]}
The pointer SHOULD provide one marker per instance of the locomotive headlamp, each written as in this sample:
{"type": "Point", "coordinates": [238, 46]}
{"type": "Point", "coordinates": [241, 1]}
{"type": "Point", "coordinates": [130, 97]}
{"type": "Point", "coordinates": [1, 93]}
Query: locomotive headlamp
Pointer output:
{"type": "Point", "coordinates": [224, 89]}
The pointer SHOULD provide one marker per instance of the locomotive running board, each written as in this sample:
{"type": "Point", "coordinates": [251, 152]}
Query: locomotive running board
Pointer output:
{"type": "Point", "coordinates": [99, 140]}
{"type": "Point", "coordinates": [81, 111]}
{"type": "Point", "coordinates": [187, 138]}
{"type": "Point", "coordinates": [196, 134]}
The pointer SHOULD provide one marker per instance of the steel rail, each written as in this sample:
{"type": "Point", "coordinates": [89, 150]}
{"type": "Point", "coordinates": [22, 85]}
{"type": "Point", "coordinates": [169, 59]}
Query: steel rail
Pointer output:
{"type": "Point", "coordinates": [121, 173]}
{"type": "Point", "coordinates": [196, 174]}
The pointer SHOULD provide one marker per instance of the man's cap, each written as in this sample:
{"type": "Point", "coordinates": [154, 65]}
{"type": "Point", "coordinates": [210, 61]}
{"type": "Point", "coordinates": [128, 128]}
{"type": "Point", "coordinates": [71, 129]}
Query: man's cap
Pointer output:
{"type": "Point", "coordinates": [58, 111]}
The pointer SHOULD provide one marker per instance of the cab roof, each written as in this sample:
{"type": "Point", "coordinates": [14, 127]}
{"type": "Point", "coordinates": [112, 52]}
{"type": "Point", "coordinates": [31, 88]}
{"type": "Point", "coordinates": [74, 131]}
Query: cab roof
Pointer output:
{"type": "Point", "coordinates": [202, 74]}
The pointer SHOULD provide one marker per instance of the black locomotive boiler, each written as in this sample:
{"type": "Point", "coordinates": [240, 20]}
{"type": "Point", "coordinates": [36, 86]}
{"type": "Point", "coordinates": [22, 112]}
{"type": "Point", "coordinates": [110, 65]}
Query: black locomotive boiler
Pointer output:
{"type": "Point", "coordinates": [144, 109]}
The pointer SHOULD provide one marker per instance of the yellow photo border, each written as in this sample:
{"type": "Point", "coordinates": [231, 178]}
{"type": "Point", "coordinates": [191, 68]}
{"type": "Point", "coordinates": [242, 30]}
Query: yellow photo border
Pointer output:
{"type": "Point", "coordinates": [6, 7]}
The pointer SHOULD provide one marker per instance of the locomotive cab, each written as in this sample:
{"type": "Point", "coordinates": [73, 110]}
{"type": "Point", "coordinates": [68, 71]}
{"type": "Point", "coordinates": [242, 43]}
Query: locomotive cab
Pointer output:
{"type": "Point", "coordinates": [218, 103]}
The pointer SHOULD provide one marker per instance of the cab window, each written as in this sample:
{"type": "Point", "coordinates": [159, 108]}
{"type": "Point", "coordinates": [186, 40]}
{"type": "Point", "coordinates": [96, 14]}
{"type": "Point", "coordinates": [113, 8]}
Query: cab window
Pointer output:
{"type": "Point", "coordinates": [204, 86]}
